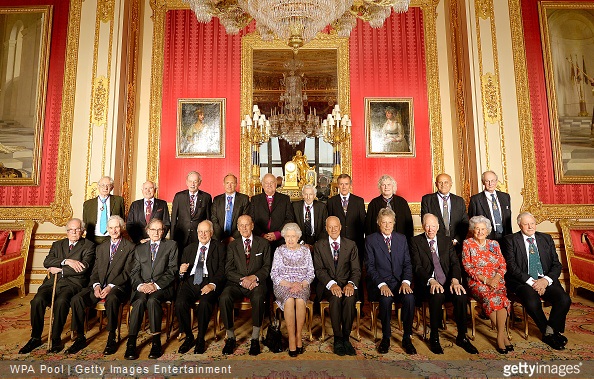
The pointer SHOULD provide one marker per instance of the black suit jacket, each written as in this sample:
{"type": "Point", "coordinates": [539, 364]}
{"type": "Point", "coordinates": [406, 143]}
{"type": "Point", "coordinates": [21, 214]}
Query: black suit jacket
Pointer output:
{"type": "Point", "coordinates": [118, 272]}
{"type": "Point", "coordinates": [389, 267]}
{"type": "Point", "coordinates": [215, 262]}
{"type": "Point", "coordinates": [404, 222]}
{"type": "Point", "coordinates": [516, 258]}
{"type": "Point", "coordinates": [241, 206]}
{"type": "Point", "coordinates": [164, 270]}
{"type": "Point", "coordinates": [320, 213]}
{"type": "Point", "coordinates": [353, 223]}
{"type": "Point", "coordinates": [83, 251]}
{"type": "Point", "coordinates": [136, 222]}
{"type": "Point", "coordinates": [422, 260]}
{"type": "Point", "coordinates": [479, 206]}
{"type": "Point", "coordinates": [90, 207]}
{"type": "Point", "coordinates": [184, 224]}
{"type": "Point", "coordinates": [347, 269]}
{"type": "Point", "coordinates": [458, 215]}
{"type": "Point", "coordinates": [260, 260]}
{"type": "Point", "coordinates": [282, 213]}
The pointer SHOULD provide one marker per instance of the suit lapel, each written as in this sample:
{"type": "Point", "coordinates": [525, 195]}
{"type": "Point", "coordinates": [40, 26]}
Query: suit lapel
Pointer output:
{"type": "Point", "coordinates": [485, 204]}
{"type": "Point", "coordinates": [523, 259]}
{"type": "Point", "coordinates": [541, 249]}
{"type": "Point", "coordinates": [234, 212]}
{"type": "Point", "coordinates": [300, 216]}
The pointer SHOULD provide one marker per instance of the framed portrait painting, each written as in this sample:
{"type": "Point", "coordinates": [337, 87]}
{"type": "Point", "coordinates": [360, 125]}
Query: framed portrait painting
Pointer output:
{"type": "Point", "coordinates": [200, 128]}
{"type": "Point", "coordinates": [389, 127]}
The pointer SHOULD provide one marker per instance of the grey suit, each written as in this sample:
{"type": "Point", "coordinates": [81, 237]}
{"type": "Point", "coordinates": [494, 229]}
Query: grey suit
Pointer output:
{"type": "Point", "coordinates": [241, 206]}
{"type": "Point", "coordinates": [479, 206]}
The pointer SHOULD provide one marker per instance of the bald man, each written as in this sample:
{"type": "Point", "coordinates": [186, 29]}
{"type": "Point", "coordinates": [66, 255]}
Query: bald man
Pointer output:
{"type": "Point", "coordinates": [143, 210]}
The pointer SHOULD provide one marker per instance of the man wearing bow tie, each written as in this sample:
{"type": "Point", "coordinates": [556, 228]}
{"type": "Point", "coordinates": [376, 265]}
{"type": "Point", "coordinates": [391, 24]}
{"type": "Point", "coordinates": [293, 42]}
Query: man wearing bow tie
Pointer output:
{"type": "Point", "coordinates": [494, 205]}
{"type": "Point", "coordinates": [96, 211]}
{"type": "Point", "coordinates": [143, 210]}
{"type": "Point", "coordinates": [190, 207]}
{"type": "Point", "coordinates": [226, 209]}
{"type": "Point", "coordinates": [110, 281]}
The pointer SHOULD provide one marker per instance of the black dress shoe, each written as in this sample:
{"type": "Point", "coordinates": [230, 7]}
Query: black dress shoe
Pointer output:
{"type": "Point", "coordinates": [509, 348]}
{"type": "Point", "coordinates": [561, 338]}
{"type": "Point", "coordinates": [77, 346]}
{"type": "Point", "coordinates": [408, 346]}
{"type": "Point", "coordinates": [553, 342]}
{"type": "Point", "coordinates": [255, 347]}
{"type": "Point", "coordinates": [339, 348]}
{"type": "Point", "coordinates": [156, 351]}
{"type": "Point", "coordinates": [384, 346]}
{"type": "Point", "coordinates": [200, 346]}
{"type": "Point", "coordinates": [187, 345]}
{"type": "Point", "coordinates": [57, 346]}
{"type": "Point", "coordinates": [229, 346]}
{"type": "Point", "coordinates": [293, 353]}
{"type": "Point", "coordinates": [350, 349]}
{"type": "Point", "coordinates": [500, 350]}
{"type": "Point", "coordinates": [110, 347]}
{"type": "Point", "coordinates": [435, 346]}
{"type": "Point", "coordinates": [131, 353]}
{"type": "Point", "coordinates": [31, 345]}
{"type": "Point", "coordinates": [465, 344]}
{"type": "Point", "coordinates": [300, 350]}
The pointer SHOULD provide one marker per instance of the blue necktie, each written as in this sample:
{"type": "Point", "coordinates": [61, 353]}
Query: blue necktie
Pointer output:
{"type": "Point", "coordinates": [534, 265]}
{"type": "Point", "coordinates": [229, 214]}
{"type": "Point", "coordinates": [154, 247]}
{"type": "Point", "coordinates": [103, 220]}
{"type": "Point", "coordinates": [199, 270]}
{"type": "Point", "coordinates": [496, 214]}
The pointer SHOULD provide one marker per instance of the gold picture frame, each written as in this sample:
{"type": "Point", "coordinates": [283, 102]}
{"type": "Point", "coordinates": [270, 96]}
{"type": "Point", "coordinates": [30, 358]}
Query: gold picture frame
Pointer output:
{"type": "Point", "coordinates": [569, 87]}
{"type": "Point", "coordinates": [200, 131]}
{"type": "Point", "coordinates": [389, 127]}
{"type": "Point", "coordinates": [25, 55]}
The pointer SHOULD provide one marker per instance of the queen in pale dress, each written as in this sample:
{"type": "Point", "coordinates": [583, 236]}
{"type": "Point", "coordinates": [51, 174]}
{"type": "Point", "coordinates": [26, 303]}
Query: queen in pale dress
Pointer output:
{"type": "Point", "coordinates": [292, 272]}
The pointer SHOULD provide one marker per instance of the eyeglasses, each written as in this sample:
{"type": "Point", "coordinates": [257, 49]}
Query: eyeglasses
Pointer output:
{"type": "Point", "coordinates": [156, 230]}
{"type": "Point", "coordinates": [77, 230]}
{"type": "Point", "coordinates": [104, 186]}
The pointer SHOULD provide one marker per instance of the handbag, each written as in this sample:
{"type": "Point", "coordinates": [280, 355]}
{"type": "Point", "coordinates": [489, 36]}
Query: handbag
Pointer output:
{"type": "Point", "coordinates": [274, 337]}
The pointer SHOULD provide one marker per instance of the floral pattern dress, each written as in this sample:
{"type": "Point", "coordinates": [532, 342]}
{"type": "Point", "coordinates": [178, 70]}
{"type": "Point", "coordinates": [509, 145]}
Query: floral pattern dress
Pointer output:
{"type": "Point", "coordinates": [485, 261]}
{"type": "Point", "coordinates": [292, 266]}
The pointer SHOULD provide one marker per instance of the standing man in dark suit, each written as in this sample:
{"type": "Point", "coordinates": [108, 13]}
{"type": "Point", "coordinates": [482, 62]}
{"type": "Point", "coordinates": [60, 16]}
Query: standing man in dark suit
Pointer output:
{"type": "Point", "coordinates": [310, 215]}
{"type": "Point", "coordinates": [438, 278]}
{"type": "Point", "coordinates": [202, 277]}
{"type": "Point", "coordinates": [533, 270]}
{"type": "Point", "coordinates": [390, 270]}
{"type": "Point", "coordinates": [110, 281]}
{"type": "Point", "coordinates": [143, 210]}
{"type": "Point", "coordinates": [153, 278]}
{"type": "Point", "coordinates": [494, 205]}
{"type": "Point", "coordinates": [226, 209]}
{"type": "Point", "coordinates": [336, 261]}
{"type": "Point", "coordinates": [248, 266]}
{"type": "Point", "coordinates": [449, 209]}
{"type": "Point", "coordinates": [388, 199]}
{"type": "Point", "coordinates": [270, 211]}
{"type": "Point", "coordinates": [71, 259]}
{"type": "Point", "coordinates": [190, 207]}
{"type": "Point", "coordinates": [96, 211]}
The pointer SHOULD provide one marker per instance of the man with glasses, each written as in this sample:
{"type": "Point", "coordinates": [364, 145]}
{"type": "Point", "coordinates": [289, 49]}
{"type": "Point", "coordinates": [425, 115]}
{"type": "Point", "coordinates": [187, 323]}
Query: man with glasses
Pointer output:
{"type": "Point", "coordinates": [494, 205]}
{"type": "Point", "coordinates": [145, 209]}
{"type": "Point", "coordinates": [98, 210]}
{"type": "Point", "coordinates": [153, 277]}
{"type": "Point", "coordinates": [71, 259]}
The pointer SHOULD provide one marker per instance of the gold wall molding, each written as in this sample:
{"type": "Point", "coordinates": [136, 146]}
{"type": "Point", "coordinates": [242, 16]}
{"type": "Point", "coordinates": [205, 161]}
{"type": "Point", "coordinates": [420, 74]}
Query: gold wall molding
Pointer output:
{"type": "Point", "coordinates": [105, 10]}
{"type": "Point", "coordinates": [48, 236]}
{"type": "Point", "coordinates": [91, 191]}
{"type": "Point", "coordinates": [99, 101]}
{"type": "Point", "coordinates": [39, 247]}
{"type": "Point", "coordinates": [484, 8]}
{"type": "Point", "coordinates": [491, 99]}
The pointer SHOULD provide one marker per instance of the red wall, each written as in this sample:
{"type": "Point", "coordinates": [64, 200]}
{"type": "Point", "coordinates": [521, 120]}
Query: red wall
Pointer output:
{"type": "Point", "coordinates": [202, 61]}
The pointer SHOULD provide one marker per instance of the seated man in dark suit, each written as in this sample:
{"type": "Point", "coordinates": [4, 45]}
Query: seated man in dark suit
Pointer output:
{"type": "Point", "coordinates": [310, 215]}
{"type": "Point", "coordinates": [153, 278]}
{"type": "Point", "coordinates": [71, 259]}
{"type": "Point", "coordinates": [202, 277]}
{"type": "Point", "coordinates": [110, 281]}
{"type": "Point", "coordinates": [533, 270]}
{"type": "Point", "coordinates": [437, 268]}
{"type": "Point", "coordinates": [389, 269]}
{"type": "Point", "coordinates": [248, 265]}
{"type": "Point", "coordinates": [143, 210]}
{"type": "Point", "coordinates": [226, 209]}
{"type": "Point", "coordinates": [336, 262]}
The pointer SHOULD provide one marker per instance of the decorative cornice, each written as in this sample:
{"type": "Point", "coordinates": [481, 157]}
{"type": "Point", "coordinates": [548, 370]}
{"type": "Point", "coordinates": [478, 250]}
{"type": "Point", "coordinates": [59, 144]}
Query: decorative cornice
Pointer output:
{"type": "Point", "coordinates": [491, 99]}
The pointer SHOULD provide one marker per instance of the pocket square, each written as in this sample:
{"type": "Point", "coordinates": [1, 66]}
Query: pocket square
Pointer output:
{"type": "Point", "coordinates": [160, 210]}
{"type": "Point", "coordinates": [258, 254]}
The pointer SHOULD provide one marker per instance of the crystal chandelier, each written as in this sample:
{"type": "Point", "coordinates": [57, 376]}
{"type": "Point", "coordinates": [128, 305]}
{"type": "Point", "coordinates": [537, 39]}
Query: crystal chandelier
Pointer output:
{"type": "Point", "coordinates": [296, 21]}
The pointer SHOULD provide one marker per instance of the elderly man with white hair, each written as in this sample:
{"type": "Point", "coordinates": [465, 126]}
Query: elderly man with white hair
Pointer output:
{"type": "Point", "coordinates": [310, 215]}
{"type": "Point", "coordinates": [98, 210]}
{"type": "Point", "coordinates": [388, 199]}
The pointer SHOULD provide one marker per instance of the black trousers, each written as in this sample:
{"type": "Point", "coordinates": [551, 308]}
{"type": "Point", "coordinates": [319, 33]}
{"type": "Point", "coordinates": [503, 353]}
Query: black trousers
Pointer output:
{"type": "Point", "coordinates": [187, 295]}
{"type": "Point", "coordinates": [86, 299]}
{"type": "Point", "coordinates": [342, 313]}
{"type": "Point", "coordinates": [407, 311]}
{"type": "Point", "coordinates": [435, 312]}
{"type": "Point", "coordinates": [554, 294]}
{"type": "Point", "coordinates": [233, 292]}
{"type": "Point", "coordinates": [43, 299]}
{"type": "Point", "coordinates": [142, 302]}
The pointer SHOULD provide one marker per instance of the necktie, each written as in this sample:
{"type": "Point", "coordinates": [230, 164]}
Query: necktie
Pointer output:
{"type": "Point", "coordinates": [335, 249]}
{"type": "Point", "coordinates": [534, 265]}
{"type": "Point", "coordinates": [269, 199]}
{"type": "Point", "coordinates": [103, 221]}
{"type": "Point", "coordinates": [192, 203]}
{"type": "Point", "coordinates": [153, 252]}
{"type": "Point", "coordinates": [388, 205]}
{"type": "Point", "coordinates": [496, 214]}
{"type": "Point", "coordinates": [149, 211]}
{"type": "Point", "coordinates": [114, 248]}
{"type": "Point", "coordinates": [388, 241]}
{"type": "Point", "coordinates": [71, 246]}
{"type": "Point", "coordinates": [308, 228]}
{"type": "Point", "coordinates": [438, 271]}
{"type": "Point", "coordinates": [229, 214]}
{"type": "Point", "coordinates": [446, 214]}
{"type": "Point", "coordinates": [248, 250]}
{"type": "Point", "coordinates": [345, 204]}
{"type": "Point", "coordinates": [199, 269]}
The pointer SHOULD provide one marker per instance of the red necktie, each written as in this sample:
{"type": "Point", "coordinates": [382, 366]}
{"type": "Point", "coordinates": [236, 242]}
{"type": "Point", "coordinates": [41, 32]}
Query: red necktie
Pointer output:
{"type": "Point", "coordinates": [388, 241]}
{"type": "Point", "coordinates": [269, 199]}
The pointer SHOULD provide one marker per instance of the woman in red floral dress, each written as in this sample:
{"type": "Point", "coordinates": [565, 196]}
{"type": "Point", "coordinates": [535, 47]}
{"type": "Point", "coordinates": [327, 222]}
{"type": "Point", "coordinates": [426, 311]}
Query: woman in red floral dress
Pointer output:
{"type": "Point", "coordinates": [485, 265]}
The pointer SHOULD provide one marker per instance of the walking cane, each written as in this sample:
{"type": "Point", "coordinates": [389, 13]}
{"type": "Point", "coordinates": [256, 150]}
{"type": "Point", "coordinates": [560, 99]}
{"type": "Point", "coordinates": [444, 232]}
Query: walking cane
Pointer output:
{"type": "Point", "coordinates": [49, 342]}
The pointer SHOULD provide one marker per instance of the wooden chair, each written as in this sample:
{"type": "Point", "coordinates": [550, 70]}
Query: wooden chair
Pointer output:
{"type": "Point", "coordinates": [424, 311]}
{"type": "Point", "coordinates": [308, 315]}
{"type": "Point", "coordinates": [168, 308]}
{"type": "Point", "coordinates": [515, 300]}
{"type": "Point", "coordinates": [240, 305]}
{"type": "Point", "coordinates": [100, 308]}
{"type": "Point", "coordinates": [375, 308]}
{"type": "Point", "coordinates": [325, 305]}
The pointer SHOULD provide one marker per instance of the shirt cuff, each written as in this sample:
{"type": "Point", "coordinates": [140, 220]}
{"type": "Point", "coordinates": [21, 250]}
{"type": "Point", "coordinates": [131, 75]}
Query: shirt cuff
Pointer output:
{"type": "Point", "coordinates": [548, 280]}
{"type": "Point", "coordinates": [406, 281]}
{"type": "Point", "coordinates": [530, 281]}
{"type": "Point", "coordinates": [354, 286]}
{"type": "Point", "coordinates": [96, 284]}
{"type": "Point", "coordinates": [277, 235]}
{"type": "Point", "coordinates": [111, 285]}
{"type": "Point", "coordinates": [138, 287]}
{"type": "Point", "coordinates": [156, 285]}
{"type": "Point", "coordinates": [381, 284]}
{"type": "Point", "coordinates": [330, 284]}
{"type": "Point", "coordinates": [214, 285]}
{"type": "Point", "coordinates": [63, 263]}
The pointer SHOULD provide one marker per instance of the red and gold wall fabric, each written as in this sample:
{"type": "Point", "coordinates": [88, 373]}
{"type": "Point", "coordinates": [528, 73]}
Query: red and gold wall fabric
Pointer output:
{"type": "Point", "coordinates": [548, 191]}
{"type": "Point", "coordinates": [44, 193]}
{"type": "Point", "coordinates": [202, 61]}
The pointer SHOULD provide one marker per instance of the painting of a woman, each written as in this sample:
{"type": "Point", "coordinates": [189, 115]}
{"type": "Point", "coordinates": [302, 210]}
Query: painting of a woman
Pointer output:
{"type": "Point", "coordinates": [200, 131]}
{"type": "Point", "coordinates": [389, 126]}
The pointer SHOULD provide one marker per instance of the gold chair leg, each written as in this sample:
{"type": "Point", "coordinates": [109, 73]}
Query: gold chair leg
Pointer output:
{"type": "Point", "coordinates": [358, 309]}
{"type": "Point", "coordinates": [323, 320]}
